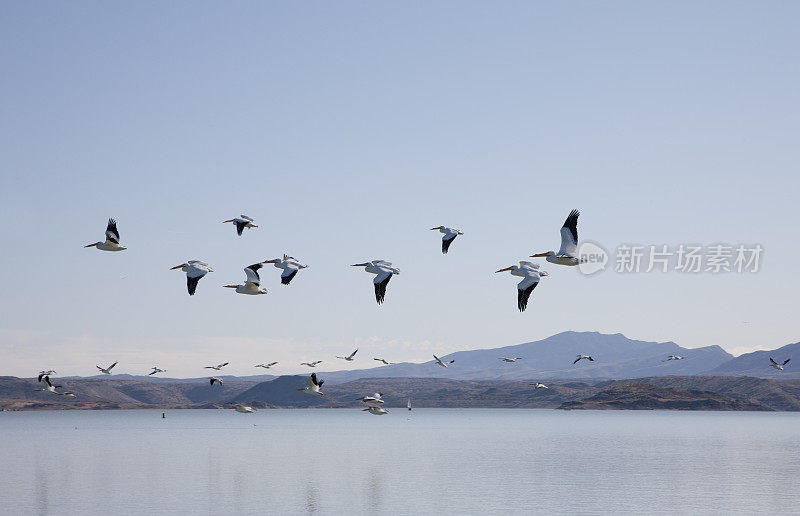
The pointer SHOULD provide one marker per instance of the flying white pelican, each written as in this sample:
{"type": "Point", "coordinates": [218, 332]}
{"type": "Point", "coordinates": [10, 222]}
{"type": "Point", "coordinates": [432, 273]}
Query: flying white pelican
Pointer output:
{"type": "Point", "coordinates": [216, 367]}
{"type": "Point", "coordinates": [369, 400]}
{"type": "Point", "coordinates": [156, 370]}
{"type": "Point", "coordinates": [349, 357]}
{"type": "Point", "coordinates": [439, 361]}
{"type": "Point", "coordinates": [241, 222]}
{"type": "Point", "coordinates": [244, 409]}
{"type": "Point", "coordinates": [450, 234]}
{"type": "Point", "coordinates": [112, 239]}
{"type": "Point", "coordinates": [251, 282]}
{"type": "Point", "coordinates": [68, 394]}
{"type": "Point", "coordinates": [673, 357]}
{"type": "Point", "coordinates": [378, 411]}
{"type": "Point", "coordinates": [313, 385]}
{"type": "Point", "coordinates": [42, 374]}
{"type": "Point", "coordinates": [568, 253]}
{"type": "Point", "coordinates": [583, 357]}
{"type": "Point", "coordinates": [49, 387]}
{"type": "Point", "coordinates": [194, 269]}
{"type": "Point", "coordinates": [531, 275]}
{"type": "Point", "coordinates": [106, 370]}
{"type": "Point", "coordinates": [539, 385]}
{"type": "Point", "coordinates": [504, 359]}
{"type": "Point", "coordinates": [383, 271]}
{"type": "Point", "coordinates": [289, 265]}
{"type": "Point", "coordinates": [778, 366]}
{"type": "Point", "coordinates": [383, 361]}
{"type": "Point", "coordinates": [311, 364]}
{"type": "Point", "coordinates": [212, 380]}
{"type": "Point", "coordinates": [266, 366]}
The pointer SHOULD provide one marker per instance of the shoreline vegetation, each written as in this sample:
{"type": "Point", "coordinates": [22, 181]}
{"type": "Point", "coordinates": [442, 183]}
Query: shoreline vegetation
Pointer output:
{"type": "Point", "coordinates": [730, 393]}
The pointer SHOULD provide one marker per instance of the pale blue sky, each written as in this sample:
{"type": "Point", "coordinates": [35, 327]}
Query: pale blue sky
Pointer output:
{"type": "Point", "coordinates": [347, 129]}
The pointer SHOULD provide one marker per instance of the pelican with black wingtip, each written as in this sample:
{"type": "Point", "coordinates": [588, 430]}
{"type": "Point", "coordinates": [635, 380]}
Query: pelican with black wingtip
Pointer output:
{"type": "Point", "coordinates": [112, 239]}
{"type": "Point", "coordinates": [383, 271]}
{"type": "Point", "coordinates": [195, 270]}
{"type": "Point", "coordinates": [530, 274]}
{"type": "Point", "coordinates": [252, 283]}
{"type": "Point", "coordinates": [241, 222]}
{"type": "Point", "coordinates": [568, 253]}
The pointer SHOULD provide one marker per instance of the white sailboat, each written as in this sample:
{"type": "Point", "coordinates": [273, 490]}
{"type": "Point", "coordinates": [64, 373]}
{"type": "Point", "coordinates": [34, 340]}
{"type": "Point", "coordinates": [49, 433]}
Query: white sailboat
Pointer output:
{"type": "Point", "coordinates": [409, 403]}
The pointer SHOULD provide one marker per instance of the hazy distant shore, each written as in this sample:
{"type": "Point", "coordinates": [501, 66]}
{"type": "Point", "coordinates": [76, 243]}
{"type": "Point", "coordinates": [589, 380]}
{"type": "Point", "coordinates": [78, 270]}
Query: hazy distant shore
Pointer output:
{"type": "Point", "coordinates": [666, 393]}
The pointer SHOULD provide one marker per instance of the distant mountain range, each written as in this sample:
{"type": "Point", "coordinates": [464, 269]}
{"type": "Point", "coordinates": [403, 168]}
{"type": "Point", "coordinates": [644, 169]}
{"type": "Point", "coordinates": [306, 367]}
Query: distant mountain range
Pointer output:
{"type": "Point", "coordinates": [615, 356]}
{"type": "Point", "coordinates": [477, 378]}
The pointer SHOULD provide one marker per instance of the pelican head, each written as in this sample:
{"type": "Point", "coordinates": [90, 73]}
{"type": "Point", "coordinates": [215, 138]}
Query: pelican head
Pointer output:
{"type": "Point", "coordinates": [542, 255]}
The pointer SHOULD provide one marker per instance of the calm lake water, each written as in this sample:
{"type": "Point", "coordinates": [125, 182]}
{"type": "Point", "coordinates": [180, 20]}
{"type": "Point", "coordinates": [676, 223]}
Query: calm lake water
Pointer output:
{"type": "Point", "coordinates": [445, 461]}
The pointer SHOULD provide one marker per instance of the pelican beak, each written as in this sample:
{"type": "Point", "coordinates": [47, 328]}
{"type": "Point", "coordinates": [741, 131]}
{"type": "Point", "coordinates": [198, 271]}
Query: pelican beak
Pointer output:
{"type": "Point", "coordinates": [224, 221]}
{"type": "Point", "coordinates": [359, 265]}
{"type": "Point", "coordinates": [506, 269]}
{"type": "Point", "coordinates": [538, 255]}
{"type": "Point", "coordinates": [434, 228]}
{"type": "Point", "coordinates": [460, 232]}
{"type": "Point", "coordinates": [176, 267]}
{"type": "Point", "coordinates": [92, 245]}
{"type": "Point", "coordinates": [544, 273]}
{"type": "Point", "coordinates": [271, 261]}
{"type": "Point", "coordinates": [230, 286]}
{"type": "Point", "coordinates": [254, 226]}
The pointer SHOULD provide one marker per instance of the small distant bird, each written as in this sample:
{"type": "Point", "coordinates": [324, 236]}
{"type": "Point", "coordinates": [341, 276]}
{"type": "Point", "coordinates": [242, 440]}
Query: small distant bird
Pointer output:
{"type": "Point", "coordinates": [241, 222]}
{"type": "Point", "coordinates": [42, 374]}
{"type": "Point", "coordinates": [112, 239]}
{"type": "Point", "coordinates": [383, 271]}
{"type": "Point", "coordinates": [531, 275]}
{"type": "Point", "coordinates": [68, 394]}
{"type": "Point", "coordinates": [504, 359]}
{"type": "Point", "coordinates": [195, 270]}
{"type": "Point", "coordinates": [349, 357]}
{"type": "Point", "coordinates": [49, 387]}
{"type": "Point", "coordinates": [311, 364]}
{"type": "Point", "coordinates": [778, 366]}
{"type": "Point", "coordinates": [252, 282]}
{"type": "Point", "coordinates": [244, 409]}
{"type": "Point", "coordinates": [439, 361]}
{"type": "Point", "coordinates": [383, 361]}
{"type": "Point", "coordinates": [214, 380]}
{"type": "Point", "coordinates": [378, 411]}
{"type": "Point", "coordinates": [583, 357]}
{"type": "Point", "coordinates": [375, 398]}
{"type": "Point", "coordinates": [450, 234]}
{"type": "Point", "coordinates": [539, 385]}
{"type": "Point", "coordinates": [313, 385]}
{"type": "Point", "coordinates": [156, 370]}
{"type": "Point", "coordinates": [289, 265]}
{"type": "Point", "coordinates": [568, 253]}
{"type": "Point", "coordinates": [266, 366]}
{"type": "Point", "coordinates": [106, 370]}
{"type": "Point", "coordinates": [216, 367]}
{"type": "Point", "coordinates": [673, 357]}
